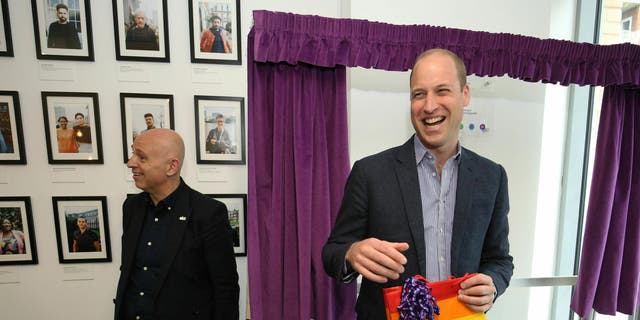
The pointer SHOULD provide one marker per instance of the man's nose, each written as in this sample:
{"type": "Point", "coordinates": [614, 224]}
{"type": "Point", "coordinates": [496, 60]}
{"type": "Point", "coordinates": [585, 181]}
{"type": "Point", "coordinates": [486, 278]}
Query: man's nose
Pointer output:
{"type": "Point", "coordinates": [430, 104]}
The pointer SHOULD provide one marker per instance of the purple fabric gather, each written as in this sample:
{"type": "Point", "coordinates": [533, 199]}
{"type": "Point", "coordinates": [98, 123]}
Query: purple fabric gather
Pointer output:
{"type": "Point", "coordinates": [416, 301]}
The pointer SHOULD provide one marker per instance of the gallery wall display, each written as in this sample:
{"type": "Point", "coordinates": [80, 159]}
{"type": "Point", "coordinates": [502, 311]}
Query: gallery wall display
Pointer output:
{"type": "Point", "coordinates": [6, 45]}
{"type": "Point", "coordinates": [82, 229]}
{"type": "Point", "coordinates": [237, 210]}
{"type": "Point", "coordinates": [214, 31]}
{"type": "Point", "coordinates": [17, 238]}
{"type": "Point", "coordinates": [141, 112]}
{"type": "Point", "coordinates": [72, 127]}
{"type": "Point", "coordinates": [11, 137]}
{"type": "Point", "coordinates": [219, 123]}
{"type": "Point", "coordinates": [62, 29]}
{"type": "Point", "coordinates": [141, 30]}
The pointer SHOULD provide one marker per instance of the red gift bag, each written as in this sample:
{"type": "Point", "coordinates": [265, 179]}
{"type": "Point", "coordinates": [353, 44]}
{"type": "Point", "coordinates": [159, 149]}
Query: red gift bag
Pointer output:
{"type": "Point", "coordinates": [446, 297]}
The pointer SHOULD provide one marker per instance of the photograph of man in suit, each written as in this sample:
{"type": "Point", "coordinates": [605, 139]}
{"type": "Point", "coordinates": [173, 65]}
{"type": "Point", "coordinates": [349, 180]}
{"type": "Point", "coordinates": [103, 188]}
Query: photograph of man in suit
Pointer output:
{"type": "Point", "coordinates": [429, 206]}
{"type": "Point", "coordinates": [177, 253]}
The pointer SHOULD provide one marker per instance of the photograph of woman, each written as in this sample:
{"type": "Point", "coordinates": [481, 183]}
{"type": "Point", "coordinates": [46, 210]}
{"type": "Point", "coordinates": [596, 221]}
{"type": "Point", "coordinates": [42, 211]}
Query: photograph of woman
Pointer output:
{"type": "Point", "coordinates": [67, 142]}
{"type": "Point", "coordinates": [12, 241]}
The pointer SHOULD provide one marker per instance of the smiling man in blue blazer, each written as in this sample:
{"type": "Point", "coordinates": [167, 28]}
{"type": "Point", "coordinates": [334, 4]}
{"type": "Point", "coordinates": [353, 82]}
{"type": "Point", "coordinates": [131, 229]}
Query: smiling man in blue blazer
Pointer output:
{"type": "Point", "coordinates": [177, 251]}
{"type": "Point", "coordinates": [428, 207]}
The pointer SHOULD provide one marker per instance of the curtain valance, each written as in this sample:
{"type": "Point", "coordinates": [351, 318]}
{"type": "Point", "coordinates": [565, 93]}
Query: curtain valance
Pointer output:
{"type": "Point", "coordinates": [329, 42]}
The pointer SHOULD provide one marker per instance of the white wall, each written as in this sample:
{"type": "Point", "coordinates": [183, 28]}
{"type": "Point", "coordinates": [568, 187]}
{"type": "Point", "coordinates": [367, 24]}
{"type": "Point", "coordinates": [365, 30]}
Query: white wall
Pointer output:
{"type": "Point", "coordinates": [377, 100]}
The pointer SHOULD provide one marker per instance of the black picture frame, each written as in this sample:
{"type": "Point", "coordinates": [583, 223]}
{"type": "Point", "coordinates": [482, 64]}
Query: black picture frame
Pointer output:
{"type": "Point", "coordinates": [201, 13]}
{"type": "Point", "coordinates": [149, 43]}
{"type": "Point", "coordinates": [6, 43]}
{"type": "Point", "coordinates": [78, 47]}
{"type": "Point", "coordinates": [137, 106]}
{"type": "Point", "coordinates": [17, 211]}
{"type": "Point", "coordinates": [237, 209]}
{"type": "Point", "coordinates": [207, 109]}
{"type": "Point", "coordinates": [88, 149]}
{"type": "Point", "coordinates": [80, 247]}
{"type": "Point", "coordinates": [11, 136]}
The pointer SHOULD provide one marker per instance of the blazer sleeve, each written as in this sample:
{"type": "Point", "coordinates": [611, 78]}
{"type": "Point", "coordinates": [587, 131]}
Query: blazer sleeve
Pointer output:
{"type": "Point", "coordinates": [350, 226]}
{"type": "Point", "coordinates": [496, 261]}
{"type": "Point", "coordinates": [221, 263]}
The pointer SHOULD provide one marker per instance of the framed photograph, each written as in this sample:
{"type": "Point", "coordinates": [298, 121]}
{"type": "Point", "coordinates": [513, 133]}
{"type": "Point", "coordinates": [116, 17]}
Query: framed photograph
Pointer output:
{"type": "Point", "coordinates": [17, 238]}
{"type": "Point", "coordinates": [11, 138]}
{"type": "Point", "coordinates": [219, 130]}
{"type": "Point", "coordinates": [82, 229]}
{"type": "Point", "coordinates": [141, 30]}
{"type": "Point", "coordinates": [62, 29]}
{"type": "Point", "coordinates": [73, 118]}
{"type": "Point", "coordinates": [237, 209]}
{"type": "Point", "coordinates": [214, 31]}
{"type": "Point", "coordinates": [141, 112]}
{"type": "Point", "coordinates": [6, 46]}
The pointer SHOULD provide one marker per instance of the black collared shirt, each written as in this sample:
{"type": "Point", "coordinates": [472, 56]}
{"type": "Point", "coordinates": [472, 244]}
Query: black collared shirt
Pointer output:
{"type": "Point", "coordinates": [147, 265]}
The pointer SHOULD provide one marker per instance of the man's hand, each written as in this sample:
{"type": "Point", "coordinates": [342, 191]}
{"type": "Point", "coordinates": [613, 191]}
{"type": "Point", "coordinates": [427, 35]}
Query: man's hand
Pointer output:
{"type": "Point", "coordinates": [477, 293]}
{"type": "Point", "coordinates": [377, 260]}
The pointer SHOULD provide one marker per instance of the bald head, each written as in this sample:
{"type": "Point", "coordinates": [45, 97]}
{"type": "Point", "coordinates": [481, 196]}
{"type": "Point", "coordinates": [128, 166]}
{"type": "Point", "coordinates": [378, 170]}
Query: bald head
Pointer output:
{"type": "Point", "coordinates": [166, 142]}
{"type": "Point", "coordinates": [156, 162]}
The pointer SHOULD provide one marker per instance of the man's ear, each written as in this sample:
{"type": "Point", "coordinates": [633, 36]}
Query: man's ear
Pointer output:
{"type": "Point", "coordinates": [174, 167]}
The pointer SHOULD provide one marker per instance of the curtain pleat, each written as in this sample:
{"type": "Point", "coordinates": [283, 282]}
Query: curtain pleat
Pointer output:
{"type": "Point", "coordinates": [298, 164]}
{"type": "Point", "coordinates": [609, 276]}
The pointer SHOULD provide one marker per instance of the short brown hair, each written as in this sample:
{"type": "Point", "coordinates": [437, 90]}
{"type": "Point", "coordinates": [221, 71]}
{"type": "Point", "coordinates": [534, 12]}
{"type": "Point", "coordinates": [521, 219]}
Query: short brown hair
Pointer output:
{"type": "Point", "coordinates": [61, 6]}
{"type": "Point", "coordinates": [461, 70]}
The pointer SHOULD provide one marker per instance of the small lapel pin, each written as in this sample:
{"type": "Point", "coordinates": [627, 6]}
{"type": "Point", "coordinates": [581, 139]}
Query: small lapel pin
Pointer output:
{"type": "Point", "coordinates": [183, 218]}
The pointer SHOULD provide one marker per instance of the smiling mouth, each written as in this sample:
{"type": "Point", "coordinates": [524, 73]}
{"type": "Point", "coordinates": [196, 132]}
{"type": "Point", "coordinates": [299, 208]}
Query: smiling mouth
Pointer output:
{"type": "Point", "coordinates": [433, 121]}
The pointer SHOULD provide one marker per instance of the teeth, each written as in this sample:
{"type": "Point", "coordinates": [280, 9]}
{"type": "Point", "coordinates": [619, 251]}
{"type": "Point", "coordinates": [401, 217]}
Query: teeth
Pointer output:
{"type": "Point", "coordinates": [433, 120]}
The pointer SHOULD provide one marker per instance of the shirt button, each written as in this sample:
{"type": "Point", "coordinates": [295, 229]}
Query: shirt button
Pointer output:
{"type": "Point", "coordinates": [137, 317]}
{"type": "Point", "coordinates": [149, 243]}
{"type": "Point", "coordinates": [169, 208]}
{"type": "Point", "coordinates": [433, 174]}
{"type": "Point", "coordinates": [155, 219]}
{"type": "Point", "coordinates": [441, 259]}
{"type": "Point", "coordinates": [142, 293]}
{"type": "Point", "coordinates": [145, 268]}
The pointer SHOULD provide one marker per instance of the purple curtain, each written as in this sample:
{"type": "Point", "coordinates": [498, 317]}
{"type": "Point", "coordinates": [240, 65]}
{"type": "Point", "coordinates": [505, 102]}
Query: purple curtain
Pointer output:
{"type": "Point", "coordinates": [298, 165]}
{"type": "Point", "coordinates": [330, 42]}
{"type": "Point", "coordinates": [290, 58]}
{"type": "Point", "coordinates": [609, 278]}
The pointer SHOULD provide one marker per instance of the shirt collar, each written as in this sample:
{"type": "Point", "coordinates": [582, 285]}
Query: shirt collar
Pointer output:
{"type": "Point", "coordinates": [421, 151]}
{"type": "Point", "coordinates": [169, 200]}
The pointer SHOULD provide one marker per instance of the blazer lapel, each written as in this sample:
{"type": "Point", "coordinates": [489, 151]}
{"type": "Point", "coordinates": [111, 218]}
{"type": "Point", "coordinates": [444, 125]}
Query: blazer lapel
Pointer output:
{"type": "Point", "coordinates": [407, 174]}
{"type": "Point", "coordinates": [179, 218]}
{"type": "Point", "coordinates": [462, 212]}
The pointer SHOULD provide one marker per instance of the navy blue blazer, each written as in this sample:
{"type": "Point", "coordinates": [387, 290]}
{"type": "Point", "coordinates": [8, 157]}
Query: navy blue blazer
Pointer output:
{"type": "Point", "coordinates": [199, 278]}
{"type": "Point", "coordinates": [382, 200]}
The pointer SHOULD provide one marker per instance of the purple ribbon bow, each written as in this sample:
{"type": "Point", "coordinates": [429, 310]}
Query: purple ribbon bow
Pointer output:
{"type": "Point", "coordinates": [416, 301]}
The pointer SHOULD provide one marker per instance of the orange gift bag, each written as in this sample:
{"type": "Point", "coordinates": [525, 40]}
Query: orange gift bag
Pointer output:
{"type": "Point", "coordinates": [418, 299]}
